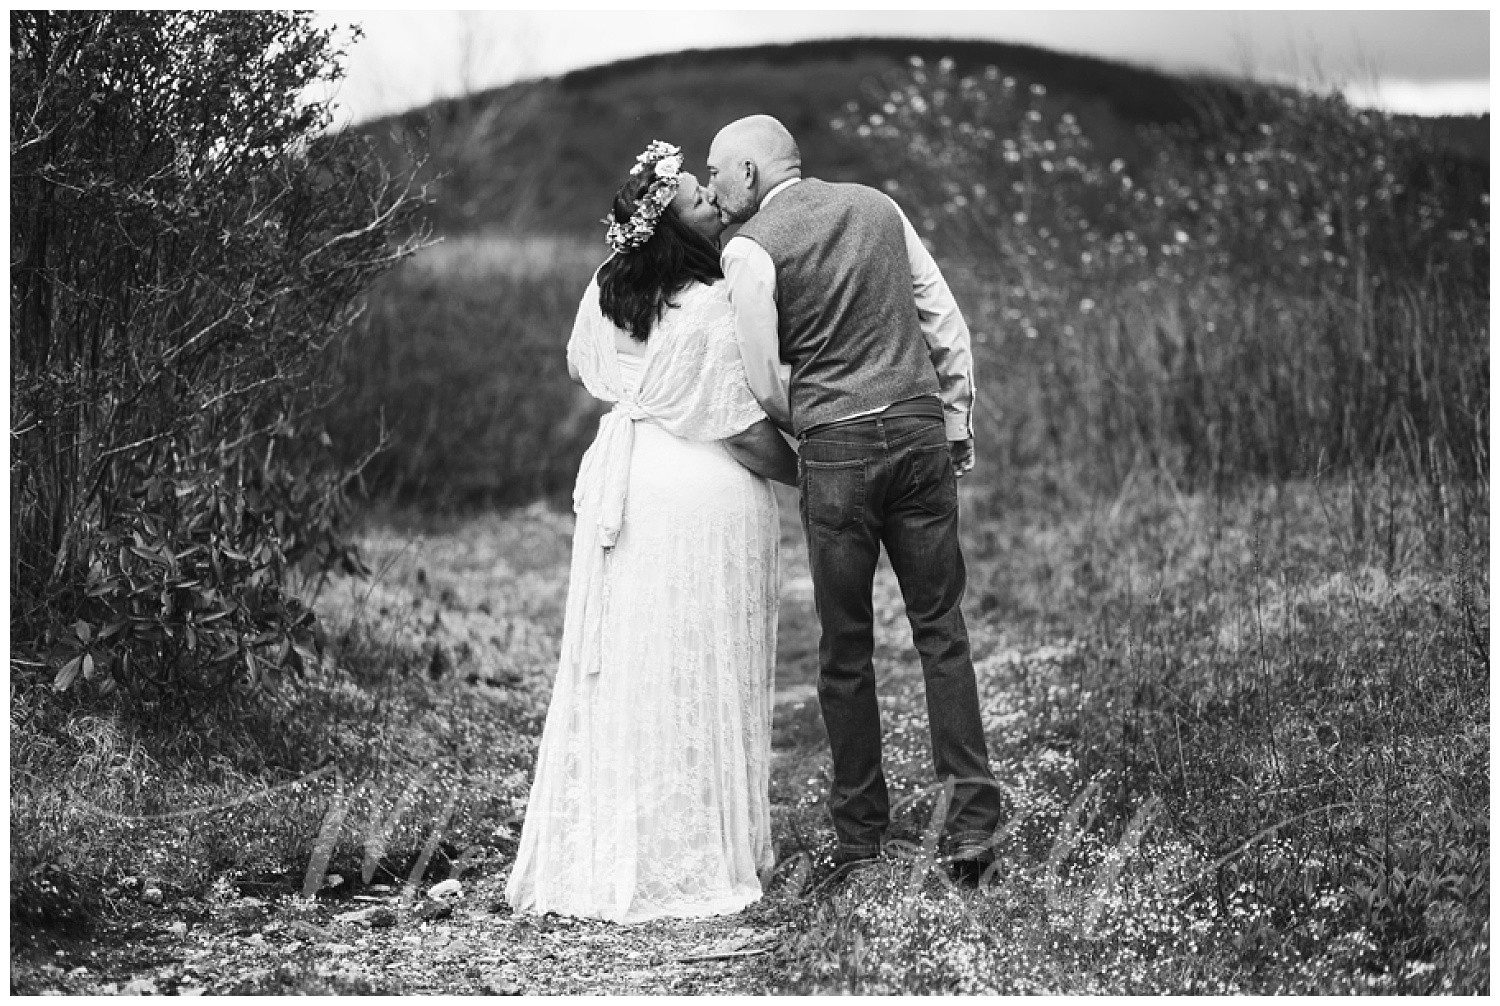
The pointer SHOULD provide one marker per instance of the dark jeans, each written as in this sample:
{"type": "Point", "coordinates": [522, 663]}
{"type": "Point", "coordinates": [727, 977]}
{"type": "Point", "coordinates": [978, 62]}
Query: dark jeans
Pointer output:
{"type": "Point", "coordinates": [890, 481]}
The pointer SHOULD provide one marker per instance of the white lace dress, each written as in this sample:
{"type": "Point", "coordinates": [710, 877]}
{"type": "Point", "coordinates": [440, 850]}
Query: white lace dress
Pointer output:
{"type": "Point", "coordinates": [650, 797]}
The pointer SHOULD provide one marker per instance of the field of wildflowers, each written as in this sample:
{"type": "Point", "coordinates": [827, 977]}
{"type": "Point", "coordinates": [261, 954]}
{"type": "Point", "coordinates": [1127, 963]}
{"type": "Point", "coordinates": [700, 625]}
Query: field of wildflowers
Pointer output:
{"type": "Point", "coordinates": [1241, 752]}
{"type": "Point", "coordinates": [1292, 288]}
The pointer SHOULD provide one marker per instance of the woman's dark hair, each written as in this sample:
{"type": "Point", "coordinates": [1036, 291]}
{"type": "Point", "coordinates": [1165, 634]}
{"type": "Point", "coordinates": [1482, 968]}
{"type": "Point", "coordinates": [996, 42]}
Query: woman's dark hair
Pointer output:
{"type": "Point", "coordinates": [637, 285]}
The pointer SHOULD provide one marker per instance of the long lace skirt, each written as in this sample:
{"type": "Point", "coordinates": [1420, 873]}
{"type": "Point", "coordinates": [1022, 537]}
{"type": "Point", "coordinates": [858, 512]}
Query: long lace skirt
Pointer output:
{"type": "Point", "coordinates": [650, 797]}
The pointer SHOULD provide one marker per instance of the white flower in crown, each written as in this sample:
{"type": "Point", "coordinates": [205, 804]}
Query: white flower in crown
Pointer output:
{"type": "Point", "coordinates": [660, 191]}
{"type": "Point", "coordinates": [655, 151]}
{"type": "Point", "coordinates": [669, 167]}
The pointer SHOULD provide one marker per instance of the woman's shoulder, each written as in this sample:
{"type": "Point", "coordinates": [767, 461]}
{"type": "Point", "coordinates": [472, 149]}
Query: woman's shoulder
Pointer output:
{"type": "Point", "coordinates": [590, 295]}
{"type": "Point", "coordinates": [707, 293]}
{"type": "Point", "coordinates": [696, 301]}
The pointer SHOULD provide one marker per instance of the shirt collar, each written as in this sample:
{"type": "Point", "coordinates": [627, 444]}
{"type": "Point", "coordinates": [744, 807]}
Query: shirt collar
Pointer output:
{"type": "Point", "coordinates": [772, 194]}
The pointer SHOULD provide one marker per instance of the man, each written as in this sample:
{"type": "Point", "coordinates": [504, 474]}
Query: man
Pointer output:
{"type": "Point", "coordinates": [832, 280]}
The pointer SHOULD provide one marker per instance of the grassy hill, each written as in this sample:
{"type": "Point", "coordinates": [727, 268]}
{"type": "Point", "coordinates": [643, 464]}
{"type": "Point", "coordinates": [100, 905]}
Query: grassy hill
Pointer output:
{"type": "Point", "coordinates": [545, 155]}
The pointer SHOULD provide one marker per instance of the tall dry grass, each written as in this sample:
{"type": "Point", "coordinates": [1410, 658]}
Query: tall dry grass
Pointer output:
{"type": "Point", "coordinates": [458, 368]}
{"type": "Point", "coordinates": [1299, 287]}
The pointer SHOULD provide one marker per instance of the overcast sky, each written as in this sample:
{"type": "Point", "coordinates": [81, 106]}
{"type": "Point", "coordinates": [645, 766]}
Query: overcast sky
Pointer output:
{"type": "Point", "coordinates": [1429, 63]}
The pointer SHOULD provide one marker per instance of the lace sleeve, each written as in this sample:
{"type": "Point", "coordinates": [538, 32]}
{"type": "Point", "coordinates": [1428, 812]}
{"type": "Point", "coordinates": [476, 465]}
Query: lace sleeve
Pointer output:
{"type": "Point", "coordinates": [584, 346]}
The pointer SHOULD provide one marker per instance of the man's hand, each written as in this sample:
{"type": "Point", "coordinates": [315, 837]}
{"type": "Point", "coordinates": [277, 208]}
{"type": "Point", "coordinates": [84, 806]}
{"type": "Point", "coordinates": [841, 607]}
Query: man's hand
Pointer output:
{"type": "Point", "coordinates": [963, 456]}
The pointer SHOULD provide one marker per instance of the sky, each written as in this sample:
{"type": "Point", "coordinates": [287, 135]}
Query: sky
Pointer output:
{"type": "Point", "coordinates": [1404, 61]}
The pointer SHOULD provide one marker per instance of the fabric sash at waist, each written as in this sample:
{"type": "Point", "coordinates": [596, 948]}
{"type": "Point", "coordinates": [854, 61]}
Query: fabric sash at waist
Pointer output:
{"type": "Point", "coordinates": [602, 480]}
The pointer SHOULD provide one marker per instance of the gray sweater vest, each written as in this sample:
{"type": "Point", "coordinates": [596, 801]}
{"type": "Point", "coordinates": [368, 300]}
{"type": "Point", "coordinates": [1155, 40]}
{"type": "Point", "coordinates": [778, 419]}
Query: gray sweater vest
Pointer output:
{"type": "Point", "coordinates": [847, 318]}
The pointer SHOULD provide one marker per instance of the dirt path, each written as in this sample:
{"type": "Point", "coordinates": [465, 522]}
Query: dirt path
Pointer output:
{"type": "Point", "coordinates": [245, 946]}
{"type": "Point", "coordinates": [473, 944]}
{"type": "Point", "coordinates": [490, 591]}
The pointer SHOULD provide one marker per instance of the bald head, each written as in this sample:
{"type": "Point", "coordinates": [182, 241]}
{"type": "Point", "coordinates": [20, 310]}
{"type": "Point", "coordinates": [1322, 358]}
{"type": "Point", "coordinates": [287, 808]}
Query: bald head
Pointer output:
{"type": "Point", "coordinates": [748, 158]}
{"type": "Point", "coordinates": [762, 140]}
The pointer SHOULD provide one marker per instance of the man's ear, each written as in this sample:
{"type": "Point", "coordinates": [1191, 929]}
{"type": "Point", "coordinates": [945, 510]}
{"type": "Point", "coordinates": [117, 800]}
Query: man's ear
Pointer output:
{"type": "Point", "coordinates": [751, 175]}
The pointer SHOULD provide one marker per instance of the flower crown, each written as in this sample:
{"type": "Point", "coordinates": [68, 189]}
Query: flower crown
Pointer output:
{"type": "Point", "coordinates": [653, 201]}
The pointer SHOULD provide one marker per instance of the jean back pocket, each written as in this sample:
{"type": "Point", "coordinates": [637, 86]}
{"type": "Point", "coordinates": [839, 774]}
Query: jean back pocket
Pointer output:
{"type": "Point", "coordinates": [833, 493]}
{"type": "Point", "coordinates": [934, 485]}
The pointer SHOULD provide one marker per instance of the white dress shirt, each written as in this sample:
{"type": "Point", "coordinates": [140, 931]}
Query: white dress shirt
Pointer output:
{"type": "Point", "coordinates": [752, 289]}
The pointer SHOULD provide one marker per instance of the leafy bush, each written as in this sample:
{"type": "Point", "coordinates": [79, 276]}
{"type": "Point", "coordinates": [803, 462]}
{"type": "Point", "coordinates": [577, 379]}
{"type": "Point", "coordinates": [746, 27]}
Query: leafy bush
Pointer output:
{"type": "Point", "coordinates": [185, 244]}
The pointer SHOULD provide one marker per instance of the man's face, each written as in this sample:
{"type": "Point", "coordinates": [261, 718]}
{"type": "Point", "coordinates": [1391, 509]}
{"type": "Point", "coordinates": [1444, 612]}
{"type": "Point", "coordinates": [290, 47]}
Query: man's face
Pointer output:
{"type": "Point", "coordinates": [729, 181]}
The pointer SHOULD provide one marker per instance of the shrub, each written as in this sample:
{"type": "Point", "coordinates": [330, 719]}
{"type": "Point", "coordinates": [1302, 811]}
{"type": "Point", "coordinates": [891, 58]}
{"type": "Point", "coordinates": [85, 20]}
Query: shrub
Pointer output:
{"type": "Point", "coordinates": [186, 243]}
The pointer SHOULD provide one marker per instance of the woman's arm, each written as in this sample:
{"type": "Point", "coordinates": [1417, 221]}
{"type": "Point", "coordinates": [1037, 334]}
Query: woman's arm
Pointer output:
{"type": "Point", "coordinates": [764, 451]}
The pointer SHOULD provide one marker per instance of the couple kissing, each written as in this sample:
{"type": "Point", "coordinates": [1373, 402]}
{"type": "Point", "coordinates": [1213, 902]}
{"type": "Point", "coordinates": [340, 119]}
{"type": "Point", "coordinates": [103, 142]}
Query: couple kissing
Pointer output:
{"type": "Point", "coordinates": [825, 320]}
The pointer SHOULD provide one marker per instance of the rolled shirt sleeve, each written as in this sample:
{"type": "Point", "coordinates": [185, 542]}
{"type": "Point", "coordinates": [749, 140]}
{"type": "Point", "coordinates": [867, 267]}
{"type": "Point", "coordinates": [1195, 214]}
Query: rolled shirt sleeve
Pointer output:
{"type": "Point", "coordinates": [947, 335]}
{"type": "Point", "coordinates": [751, 276]}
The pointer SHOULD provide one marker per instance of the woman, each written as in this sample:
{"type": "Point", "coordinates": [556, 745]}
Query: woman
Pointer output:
{"type": "Point", "coordinates": [650, 796]}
